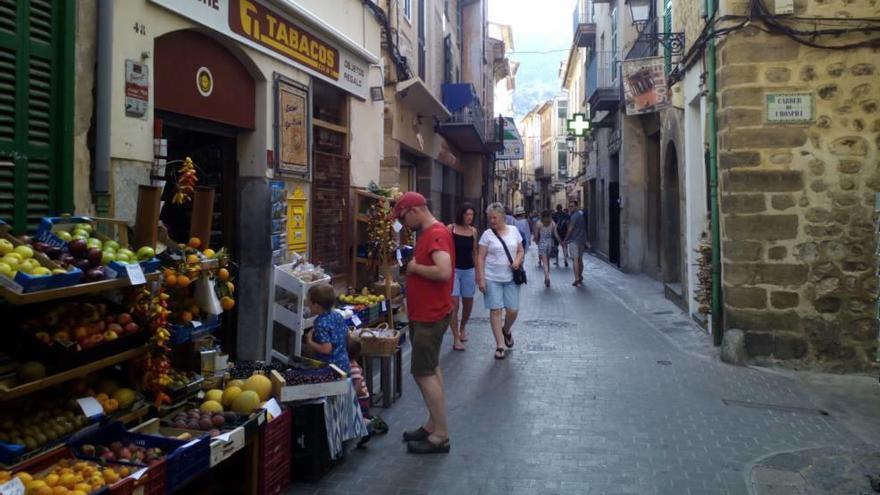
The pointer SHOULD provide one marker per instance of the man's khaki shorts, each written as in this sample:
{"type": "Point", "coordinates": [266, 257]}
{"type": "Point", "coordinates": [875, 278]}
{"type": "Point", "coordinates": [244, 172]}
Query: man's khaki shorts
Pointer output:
{"type": "Point", "coordinates": [427, 340]}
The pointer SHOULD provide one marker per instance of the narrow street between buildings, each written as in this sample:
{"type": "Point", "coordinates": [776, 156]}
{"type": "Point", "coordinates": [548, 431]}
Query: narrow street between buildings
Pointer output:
{"type": "Point", "coordinates": [610, 389]}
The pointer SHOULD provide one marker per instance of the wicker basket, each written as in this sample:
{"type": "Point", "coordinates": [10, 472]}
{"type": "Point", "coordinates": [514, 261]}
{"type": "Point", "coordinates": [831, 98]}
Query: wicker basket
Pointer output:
{"type": "Point", "coordinates": [374, 345]}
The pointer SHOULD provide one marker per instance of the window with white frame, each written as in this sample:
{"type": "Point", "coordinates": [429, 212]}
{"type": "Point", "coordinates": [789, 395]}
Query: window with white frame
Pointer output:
{"type": "Point", "coordinates": [407, 9]}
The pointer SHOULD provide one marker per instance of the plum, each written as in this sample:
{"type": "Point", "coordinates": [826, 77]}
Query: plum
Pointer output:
{"type": "Point", "coordinates": [218, 420]}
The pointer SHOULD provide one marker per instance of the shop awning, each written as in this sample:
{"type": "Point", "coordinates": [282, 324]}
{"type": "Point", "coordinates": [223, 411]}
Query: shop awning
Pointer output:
{"type": "Point", "coordinates": [418, 97]}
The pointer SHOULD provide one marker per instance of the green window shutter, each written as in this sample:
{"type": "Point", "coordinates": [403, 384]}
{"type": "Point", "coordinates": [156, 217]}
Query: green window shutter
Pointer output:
{"type": "Point", "coordinates": [667, 28]}
{"type": "Point", "coordinates": [36, 84]}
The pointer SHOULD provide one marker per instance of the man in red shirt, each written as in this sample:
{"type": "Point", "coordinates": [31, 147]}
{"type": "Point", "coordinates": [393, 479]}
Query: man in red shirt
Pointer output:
{"type": "Point", "coordinates": [429, 304]}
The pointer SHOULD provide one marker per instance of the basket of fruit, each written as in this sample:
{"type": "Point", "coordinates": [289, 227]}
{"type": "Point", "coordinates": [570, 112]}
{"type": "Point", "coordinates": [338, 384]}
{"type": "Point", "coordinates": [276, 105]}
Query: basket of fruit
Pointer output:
{"type": "Point", "coordinates": [378, 341]}
{"type": "Point", "coordinates": [60, 472]}
{"type": "Point", "coordinates": [26, 266]}
{"type": "Point", "coordinates": [35, 425]}
{"type": "Point", "coordinates": [112, 443]}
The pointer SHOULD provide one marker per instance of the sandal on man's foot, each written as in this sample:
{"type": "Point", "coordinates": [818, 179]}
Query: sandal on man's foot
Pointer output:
{"type": "Point", "coordinates": [428, 447]}
{"type": "Point", "coordinates": [508, 339]}
{"type": "Point", "coordinates": [457, 347]}
{"type": "Point", "coordinates": [416, 435]}
{"type": "Point", "coordinates": [499, 353]}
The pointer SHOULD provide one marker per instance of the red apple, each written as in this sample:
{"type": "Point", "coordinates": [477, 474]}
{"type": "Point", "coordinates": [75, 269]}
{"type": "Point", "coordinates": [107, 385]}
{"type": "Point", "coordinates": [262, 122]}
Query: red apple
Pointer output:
{"type": "Point", "coordinates": [114, 327]}
{"type": "Point", "coordinates": [132, 327]}
{"type": "Point", "coordinates": [124, 319]}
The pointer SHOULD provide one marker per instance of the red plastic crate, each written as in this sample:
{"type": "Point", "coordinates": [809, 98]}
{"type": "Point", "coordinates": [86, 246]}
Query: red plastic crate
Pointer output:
{"type": "Point", "coordinates": [275, 454]}
{"type": "Point", "coordinates": [153, 480]}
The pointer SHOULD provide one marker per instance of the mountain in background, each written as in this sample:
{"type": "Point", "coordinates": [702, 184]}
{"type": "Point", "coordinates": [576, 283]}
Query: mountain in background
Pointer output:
{"type": "Point", "coordinates": [536, 81]}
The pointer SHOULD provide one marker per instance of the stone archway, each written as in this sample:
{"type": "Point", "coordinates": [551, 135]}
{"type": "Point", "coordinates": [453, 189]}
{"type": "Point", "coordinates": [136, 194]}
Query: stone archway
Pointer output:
{"type": "Point", "coordinates": [671, 219]}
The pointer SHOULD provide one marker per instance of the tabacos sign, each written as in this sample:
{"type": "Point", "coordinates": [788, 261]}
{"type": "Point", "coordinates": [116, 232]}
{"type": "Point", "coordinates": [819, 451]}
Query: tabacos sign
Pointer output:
{"type": "Point", "coordinates": [268, 29]}
{"type": "Point", "coordinates": [260, 25]}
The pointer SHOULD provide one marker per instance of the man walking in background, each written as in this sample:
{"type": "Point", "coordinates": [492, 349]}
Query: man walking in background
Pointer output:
{"type": "Point", "coordinates": [429, 305]}
{"type": "Point", "coordinates": [560, 218]}
{"type": "Point", "coordinates": [576, 240]}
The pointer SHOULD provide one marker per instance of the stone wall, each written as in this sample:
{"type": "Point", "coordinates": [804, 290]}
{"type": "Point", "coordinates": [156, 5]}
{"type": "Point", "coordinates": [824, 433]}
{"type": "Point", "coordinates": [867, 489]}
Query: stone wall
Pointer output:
{"type": "Point", "coordinates": [797, 200]}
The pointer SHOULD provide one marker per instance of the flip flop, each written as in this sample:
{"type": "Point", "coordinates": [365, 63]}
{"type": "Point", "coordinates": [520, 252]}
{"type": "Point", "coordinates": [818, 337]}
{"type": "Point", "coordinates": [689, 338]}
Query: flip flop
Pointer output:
{"type": "Point", "coordinates": [460, 348]}
{"type": "Point", "coordinates": [508, 339]}
{"type": "Point", "coordinates": [499, 353]}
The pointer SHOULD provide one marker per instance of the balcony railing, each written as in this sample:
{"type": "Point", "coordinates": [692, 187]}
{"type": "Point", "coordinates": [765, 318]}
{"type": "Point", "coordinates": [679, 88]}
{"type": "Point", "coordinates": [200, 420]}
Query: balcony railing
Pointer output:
{"type": "Point", "coordinates": [643, 47]}
{"type": "Point", "coordinates": [603, 86]}
{"type": "Point", "coordinates": [467, 127]}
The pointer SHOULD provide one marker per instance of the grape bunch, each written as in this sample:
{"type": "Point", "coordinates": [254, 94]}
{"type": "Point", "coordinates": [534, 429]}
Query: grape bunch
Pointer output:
{"type": "Point", "coordinates": [245, 369]}
{"type": "Point", "coordinates": [298, 377]}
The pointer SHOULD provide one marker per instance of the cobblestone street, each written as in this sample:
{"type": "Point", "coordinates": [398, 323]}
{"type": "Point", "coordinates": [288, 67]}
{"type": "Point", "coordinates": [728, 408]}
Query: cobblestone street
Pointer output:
{"type": "Point", "coordinates": [610, 390]}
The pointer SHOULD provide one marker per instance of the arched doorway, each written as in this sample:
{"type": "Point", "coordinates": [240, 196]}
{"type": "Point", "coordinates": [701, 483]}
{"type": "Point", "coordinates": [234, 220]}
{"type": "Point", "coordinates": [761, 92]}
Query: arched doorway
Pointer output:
{"type": "Point", "coordinates": [671, 221]}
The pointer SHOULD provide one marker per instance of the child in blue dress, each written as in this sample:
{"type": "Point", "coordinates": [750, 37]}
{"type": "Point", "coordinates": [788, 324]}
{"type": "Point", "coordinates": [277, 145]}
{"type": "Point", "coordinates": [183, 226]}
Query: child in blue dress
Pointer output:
{"type": "Point", "coordinates": [328, 338]}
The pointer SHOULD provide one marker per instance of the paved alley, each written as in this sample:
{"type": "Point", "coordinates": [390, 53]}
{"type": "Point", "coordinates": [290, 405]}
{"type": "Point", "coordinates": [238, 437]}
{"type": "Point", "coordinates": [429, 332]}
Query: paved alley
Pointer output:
{"type": "Point", "coordinates": [610, 390]}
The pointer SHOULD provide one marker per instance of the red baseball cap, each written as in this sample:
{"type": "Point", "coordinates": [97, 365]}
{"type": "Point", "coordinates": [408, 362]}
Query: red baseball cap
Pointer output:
{"type": "Point", "coordinates": [407, 201]}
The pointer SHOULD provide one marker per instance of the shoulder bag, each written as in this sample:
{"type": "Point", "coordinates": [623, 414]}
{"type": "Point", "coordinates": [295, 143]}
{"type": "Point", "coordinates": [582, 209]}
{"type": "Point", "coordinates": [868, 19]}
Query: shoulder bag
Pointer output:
{"type": "Point", "coordinates": [519, 274]}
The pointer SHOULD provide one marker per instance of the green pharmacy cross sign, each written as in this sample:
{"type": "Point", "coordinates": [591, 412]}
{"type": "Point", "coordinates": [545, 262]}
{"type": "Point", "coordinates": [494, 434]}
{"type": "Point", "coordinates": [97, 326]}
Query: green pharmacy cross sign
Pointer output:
{"type": "Point", "coordinates": [579, 125]}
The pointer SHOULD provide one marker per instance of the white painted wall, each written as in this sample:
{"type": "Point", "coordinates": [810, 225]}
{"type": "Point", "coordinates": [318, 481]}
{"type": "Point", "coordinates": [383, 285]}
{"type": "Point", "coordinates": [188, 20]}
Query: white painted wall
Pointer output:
{"type": "Point", "coordinates": [695, 176]}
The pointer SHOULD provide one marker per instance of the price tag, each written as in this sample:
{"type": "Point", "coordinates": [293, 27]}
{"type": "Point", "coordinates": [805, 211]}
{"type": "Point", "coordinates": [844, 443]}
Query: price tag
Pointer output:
{"type": "Point", "coordinates": [224, 437]}
{"type": "Point", "coordinates": [196, 323]}
{"type": "Point", "coordinates": [357, 321]}
{"type": "Point", "coordinates": [139, 474]}
{"type": "Point", "coordinates": [397, 225]}
{"type": "Point", "coordinates": [90, 407]}
{"type": "Point", "coordinates": [12, 487]}
{"type": "Point", "coordinates": [135, 274]}
{"type": "Point", "coordinates": [11, 284]}
{"type": "Point", "coordinates": [384, 307]}
{"type": "Point", "coordinates": [273, 408]}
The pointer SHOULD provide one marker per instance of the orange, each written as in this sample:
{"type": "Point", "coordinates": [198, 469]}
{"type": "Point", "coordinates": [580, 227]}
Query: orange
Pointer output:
{"type": "Point", "coordinates": [123, 471]}
{"type": "Point", "coordinates": [227, 303]}
{"type": "Point", "coordinates": [186, 317]}
{"type": "Point", "coordinates": [223, 274]}
{"type": "Point", "coordinates": [59, 490]}
{"type": "Point", "coordinates": [43, 490]}
{"type": "Point", "coordinates": [183, 281]}
{"type": "Point", "coordinates": [112, 405]}
{"type": "Point", "coordinates": [83, 487]}
{"type": "Point", "coordinates": [171, 280]}
{"type": "Point", "coordinates": [168, 272]}
{"type": "Point", "coordinates": [100, 398]}
{"type": "Point", "coordinates": [194, 243]}
{"type": "Point", "coordinates": [52, 479]}
{"type": "Point", "coordinates": [193, 259]}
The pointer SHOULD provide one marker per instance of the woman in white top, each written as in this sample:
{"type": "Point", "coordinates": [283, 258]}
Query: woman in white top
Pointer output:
{"type": "Point", "coordinates": [495, 275]}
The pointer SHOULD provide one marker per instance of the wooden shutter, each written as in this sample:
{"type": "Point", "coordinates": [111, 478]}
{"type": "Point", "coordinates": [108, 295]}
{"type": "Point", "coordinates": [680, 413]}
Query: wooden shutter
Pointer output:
{"type": "Point", "coordinates": [35, 117]}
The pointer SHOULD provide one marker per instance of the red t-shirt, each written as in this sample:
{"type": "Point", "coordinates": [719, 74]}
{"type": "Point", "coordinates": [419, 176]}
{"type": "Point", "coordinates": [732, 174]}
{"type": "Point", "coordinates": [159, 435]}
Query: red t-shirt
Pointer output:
{"type": "Point", "coordinates": [430, 300]}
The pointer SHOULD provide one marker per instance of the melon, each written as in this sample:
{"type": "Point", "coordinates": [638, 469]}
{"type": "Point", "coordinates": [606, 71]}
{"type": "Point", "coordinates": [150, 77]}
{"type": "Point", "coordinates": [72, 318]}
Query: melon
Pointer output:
{"type": "Point", "coordinates": [229, 395]}
{"type": "Point", "coordinates": [211, 406]}
{"type": "Point", "coordinates": [246, 402]}
{"type": "Point", "coordinates": [125, 397]}
{"type": "Point", "coordinates": [214, 394]}
{"type": "Point", "coordinates": [259, 384]}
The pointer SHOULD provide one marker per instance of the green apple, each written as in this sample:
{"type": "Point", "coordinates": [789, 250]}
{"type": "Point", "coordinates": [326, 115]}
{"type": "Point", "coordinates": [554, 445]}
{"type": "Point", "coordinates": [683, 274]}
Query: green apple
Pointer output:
{"type": "Point", "coordinates": [59, 271]}
{"type": "Point", "coordinates": [107, 257]}
{"type": "Point", "coordinates": [64, 235]}
{"type": "Point", "coordinates": [25, 251]}
{"type": "Point", "coordinates": [145, 253]}
{"type": "Point", "coordinates": [41, 271]}
{"type": "Point", "coordinates": [85, 226]}
{"type": "Point", "coordinates": [111, 245]}
{"type": "Point", "coordinates": [6, 269]}
{"type": "Point", "coordinates": [122, 257]}
{"type": "Point", "coordinates": [12, 261]}
{"type": "Point", "coordinates": [94, 242]}
{"type": "Point", "coordinates": [128, 253]}
{"type": "Point", "coordinates": [28, 267]}
{"type": "Point", "coordinates": [6, 247]}
{"type": "Point", "coordinates": [79, 231]}
{"type": "Point", "coordinates": [80, 235]}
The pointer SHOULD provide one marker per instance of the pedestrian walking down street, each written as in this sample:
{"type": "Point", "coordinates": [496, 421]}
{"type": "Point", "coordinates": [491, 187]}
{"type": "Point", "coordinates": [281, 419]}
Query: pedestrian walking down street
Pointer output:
{"type": "Point", "coordinates": [464, 236]}
{"type": "Point", "coordinates": [547, 239]}
{"type": "Point", "coordinates": [560, 218]}
{"type": "Point", "coordinates": [524, 226]}
{"type": "Point", "coordinates": [429, 283]}
{"type": "Point", "coordinates": [576, 240]}
{"type": "Point", "coordinates": [501, 252]}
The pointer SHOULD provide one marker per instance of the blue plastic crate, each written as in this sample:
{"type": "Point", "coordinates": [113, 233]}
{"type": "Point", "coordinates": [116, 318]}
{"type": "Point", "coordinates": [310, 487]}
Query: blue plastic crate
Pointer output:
{"type": "Point", "coordinates": [181, 334]}
{"type": "Point", "coordinates": [148, 266]}
{"type": "Point", "coordinates": [45, 233]}
{"type": "Point", "coordinates": [32, 283]}
{"type": "Point", "coordinates": [183, 460]}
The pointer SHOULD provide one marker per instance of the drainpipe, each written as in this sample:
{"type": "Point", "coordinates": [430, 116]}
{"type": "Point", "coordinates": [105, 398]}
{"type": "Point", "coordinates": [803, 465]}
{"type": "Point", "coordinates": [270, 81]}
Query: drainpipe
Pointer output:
{"type": "Point", "coordinates": [717, 318]}
{"type": "Point", "coordinates": [104, 82]}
